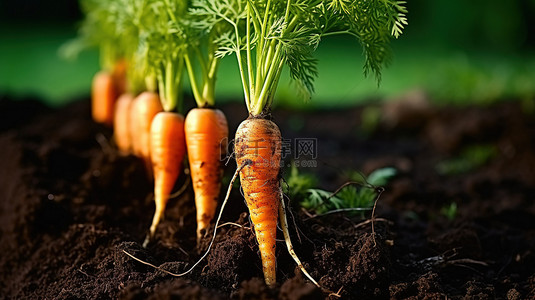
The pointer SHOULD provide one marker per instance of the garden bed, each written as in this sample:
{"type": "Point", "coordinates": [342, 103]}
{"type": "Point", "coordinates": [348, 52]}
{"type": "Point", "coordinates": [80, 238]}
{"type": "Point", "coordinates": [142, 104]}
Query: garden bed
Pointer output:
{"type": "Point", "coordinates": [449, 224]}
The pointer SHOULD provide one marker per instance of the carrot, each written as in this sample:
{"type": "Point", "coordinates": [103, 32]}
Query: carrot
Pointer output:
{"type": "Point", "coordinates": [99, 29]}
{"type": "Point", "coordinates": [143, 110]}
{"type": "Point", "coordinates": [119, 75]}
{"type": "Point", "coordinates": [132, 126]}
{"type": "Point", "coordinates": [206, 132]}
{"type": "Point", "coordinates": [167, 149]}
{"type": "Point", "coordinates": [258, 143]}
{"type": "Point", "coordinates": [103, 95]}
{"type": "Point", "coordinates": [121, 123]}
{"type": "Point", "coordinates": [165, 63]}
{"type": "Point", "coordinates": [206, 128]}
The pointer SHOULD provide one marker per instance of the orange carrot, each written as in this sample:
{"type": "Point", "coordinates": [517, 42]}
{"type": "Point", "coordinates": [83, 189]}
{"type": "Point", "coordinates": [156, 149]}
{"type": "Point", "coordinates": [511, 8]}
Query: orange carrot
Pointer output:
{"type": "Point", "coordinates": [119, 76]}
{"type": "Point", "coordinates": [206, 132]}
{"type": "Point", "coordinates": [121, 122]}
{"type": "Point", "coordinates": [167, 149]}
{"type": "Point", "coordinates": [258, 144]}
{"type": "Point", "coordinates": [103, 95]}
{"type": "Point", "coordinates": [143, 110]}
{"type": "Point", "coordinates": [132, 127]}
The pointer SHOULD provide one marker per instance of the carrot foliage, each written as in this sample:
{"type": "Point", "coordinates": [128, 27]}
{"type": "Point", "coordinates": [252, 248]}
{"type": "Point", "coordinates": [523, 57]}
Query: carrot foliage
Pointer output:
{"type": "Point", "coordinates": [200, 56]}
{"type": "Point", "coordinates": [173, 39]}
{"type": "Point", "coordinates": [269, 34]}
{"type": "Point", "coordinates": [98, 29]}
{"type": "Point", "coordinates": [162, 48]}
{"type": "Point", "coordinates": [356, 197]}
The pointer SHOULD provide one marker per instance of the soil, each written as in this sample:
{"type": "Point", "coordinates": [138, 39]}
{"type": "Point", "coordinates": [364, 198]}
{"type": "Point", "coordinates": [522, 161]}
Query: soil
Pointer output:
{"type": "Point", "coordinates": [70, 205]}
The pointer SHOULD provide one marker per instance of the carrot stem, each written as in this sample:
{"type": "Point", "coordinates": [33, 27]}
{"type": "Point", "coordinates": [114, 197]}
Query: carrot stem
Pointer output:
{"type": "Point", "coordinates": [193, 81]}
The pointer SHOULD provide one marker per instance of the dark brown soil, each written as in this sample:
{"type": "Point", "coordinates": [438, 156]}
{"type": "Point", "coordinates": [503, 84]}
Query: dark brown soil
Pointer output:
{"type": "Point", "coordinates": [70, 205]}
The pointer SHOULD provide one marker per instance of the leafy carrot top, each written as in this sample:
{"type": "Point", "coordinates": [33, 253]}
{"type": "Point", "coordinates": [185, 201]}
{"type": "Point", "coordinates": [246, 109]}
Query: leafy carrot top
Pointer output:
{"type": "Point", "coordinates": [269, 34]}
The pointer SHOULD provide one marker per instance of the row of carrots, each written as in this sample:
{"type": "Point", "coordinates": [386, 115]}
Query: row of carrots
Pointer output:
{"type": "Point", "coordinates": [146, 46]}
{"type": "Point", "coordinates": [142, 128]}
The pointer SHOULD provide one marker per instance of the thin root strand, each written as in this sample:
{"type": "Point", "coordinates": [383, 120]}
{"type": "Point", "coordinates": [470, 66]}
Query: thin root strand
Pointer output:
{"type": "Point", "coordinates": [284, 223]}
{"type": "Point", "coordinates": [213, 236]}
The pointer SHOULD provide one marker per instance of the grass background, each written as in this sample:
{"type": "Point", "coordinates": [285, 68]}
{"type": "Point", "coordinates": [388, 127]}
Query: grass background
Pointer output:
{"type": "Point", "coordinates": [456, 51]}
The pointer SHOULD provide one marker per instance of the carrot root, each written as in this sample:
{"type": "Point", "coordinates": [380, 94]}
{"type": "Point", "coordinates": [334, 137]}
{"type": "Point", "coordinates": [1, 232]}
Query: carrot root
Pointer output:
{"type": "Point", "coordinates": [285, 231]}
{"type": "Point", "coordinates": [121, 121]}
{"type": "Point", "coordinates": [103, 95]}
{"type": "Point", "coordinates": [144, 109]}
{"type": "Point", "coordinates": [258, 141]}
{"type": "Point", "coordinates": [119, 76]}
{"type": "Point", "coordinates": [206, 132]}
{"type": "Point", "coordinates": [213, 235]}
{"type": "Point", "coordinates": [167, 153]}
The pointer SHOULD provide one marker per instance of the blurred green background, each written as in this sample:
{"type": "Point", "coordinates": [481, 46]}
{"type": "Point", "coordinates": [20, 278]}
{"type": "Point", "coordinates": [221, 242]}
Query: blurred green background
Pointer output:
{"type": "Point", "coordinates": [456, 51]}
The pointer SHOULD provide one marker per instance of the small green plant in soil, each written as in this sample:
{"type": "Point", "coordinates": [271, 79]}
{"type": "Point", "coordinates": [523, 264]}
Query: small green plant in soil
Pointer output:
{"type": "Point", "coordinates": [469, 159]}
{"type": "Point", "coordinates": [299, 183]}
{"type": "Point", "coordinates": [450, 211]}
{"type": "Point", "coordinates": [349, 197]}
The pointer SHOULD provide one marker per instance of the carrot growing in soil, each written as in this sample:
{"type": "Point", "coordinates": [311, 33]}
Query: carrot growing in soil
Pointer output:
{"type": "Point", "coordinates": [266, 36]}
{"type": "Point", "coordinates": [144, 109]}
{"type": "Point", "coordinates": [98, 30]}
{"type": "Point", "coordinates": [206, 139]}
{"type": "Point", "coordinates": [132, 119]}
{"type": "Point", "coordinates": [167, 153]}
{"type": "Point", "coordinates": [107, 85]}
{"type": "Point", "coordinates": [206, 127]}
{"type": "Point", "coordinates": [258, 141]}
{"type": "Point", "coordinates": [139, 102]}
{"type": "Point", "coordinates": [165, 46]}
{"type": "Point", "coordinates": [103, 95]}
{"type": "Point", "coordinates": [121, 123]}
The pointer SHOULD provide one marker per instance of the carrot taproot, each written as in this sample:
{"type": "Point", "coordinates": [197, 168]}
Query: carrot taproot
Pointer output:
{"type": "Point", "coordinates": [258, 143]}
{"type": "Point", "coordinates": [121, 123]}
{"type": "Point", "coordinates": [206, 132]}
{"type": "Point", "coordinates": [143, 110]}
{"type": "Point", "coordinates": [119, 76]}
{"type": "Point", "coordinates": [167, 149]}
{"type": "Point", "coordinates": [132, 127]}
{"type": "Point", "coordinates": [103, 95]}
